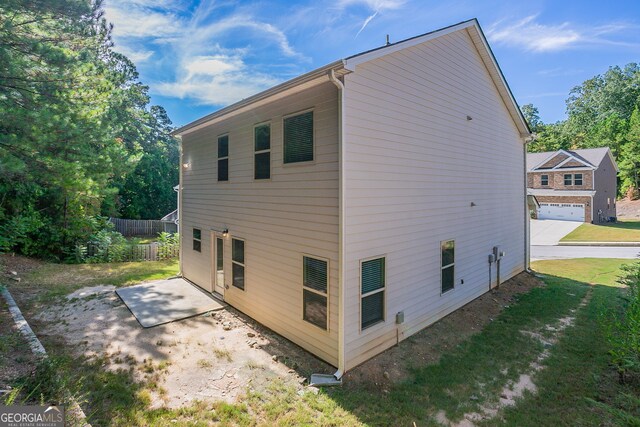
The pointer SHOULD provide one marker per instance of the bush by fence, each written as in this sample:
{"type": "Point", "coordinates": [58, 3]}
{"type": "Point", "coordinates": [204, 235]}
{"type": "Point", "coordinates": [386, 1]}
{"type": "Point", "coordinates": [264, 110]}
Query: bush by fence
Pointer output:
{"type": "Point", "coordinates": [111, 246]}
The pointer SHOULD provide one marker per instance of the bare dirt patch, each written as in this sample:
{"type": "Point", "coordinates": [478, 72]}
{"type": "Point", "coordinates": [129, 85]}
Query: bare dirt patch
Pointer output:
{"type": "Point", "coordinates": [218, 356]}
{"type": "Point", "coordinates": [426, 347]}
{"type": "Point", "coordinates": [628, 209]}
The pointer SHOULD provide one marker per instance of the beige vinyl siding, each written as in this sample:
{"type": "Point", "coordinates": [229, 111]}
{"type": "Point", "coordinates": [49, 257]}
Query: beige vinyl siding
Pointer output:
{"type": "Point", "coordinates": [293, 213]}
{"type": "Point", "coordinates": [413, 166]}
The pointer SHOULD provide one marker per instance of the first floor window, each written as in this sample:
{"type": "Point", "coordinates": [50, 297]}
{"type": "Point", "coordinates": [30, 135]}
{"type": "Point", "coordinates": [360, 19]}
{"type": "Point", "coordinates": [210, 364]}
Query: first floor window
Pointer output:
{"type": "Point", "coordinates": [567, 179]}
{"type": "Point", "coordinates": [447, 256]}
{"type": "Point", "coordinates": [577, 179]}
{"type": "Point", "coordinates": [237, 260]}
{"type": "Point", "coordinates": [197, 239]}
{"type": "Point", "coordinates": [372, 286]}
{"type": "Point", "coordinates": [544, 179]}
{"type": "Point", "coordinates": [314, 291]}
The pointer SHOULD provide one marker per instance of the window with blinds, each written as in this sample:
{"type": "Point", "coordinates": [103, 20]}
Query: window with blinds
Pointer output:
{"type": "Point", "coordinates": [314, 291]}
{"type": "Point", "coordinates": [237, 263]}
{"type": "Point", "coordinates": [298, 138]}
{"type": "Point", "coordinates": [223, 158]}
{"type": "Point", "coordinates": [262, 151]}
{"type": "Point", "coordinates": [372, 287]}
{"type": "Point", "coordinates": [447, 266]}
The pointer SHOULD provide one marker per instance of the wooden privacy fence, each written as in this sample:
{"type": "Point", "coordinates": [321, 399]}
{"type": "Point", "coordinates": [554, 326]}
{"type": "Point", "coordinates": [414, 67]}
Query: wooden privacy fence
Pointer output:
{"type": "Point", "coordinates": [124, 253]}
{"type": "Point", "coordinates": [142, 227]}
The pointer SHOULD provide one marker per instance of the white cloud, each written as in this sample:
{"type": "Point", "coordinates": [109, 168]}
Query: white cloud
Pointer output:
{"type": "Point", "coordinates": [536, 37]}
{"type": "Point", "coordinates": [132, 21]}
{"type": "Point", "coordinates": [533, 36]}
{"type": "Point", "coordinates": [376, 6]}
{"type": "Point", "coordinates": [213, 65]}
{"type": "Point", "coordinates": [137, 56]}
{"type": "Point", "coordinates": [219, 79]}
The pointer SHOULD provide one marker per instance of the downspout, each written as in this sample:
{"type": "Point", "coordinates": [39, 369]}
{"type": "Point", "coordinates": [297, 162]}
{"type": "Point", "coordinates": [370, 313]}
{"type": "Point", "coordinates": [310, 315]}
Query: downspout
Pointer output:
{"type": "Point", "coordinates": [341, 218]}
{"type": "Point", "coordinates": [527, 216]}
{"type": "Point", "coordinates": [180, 228]}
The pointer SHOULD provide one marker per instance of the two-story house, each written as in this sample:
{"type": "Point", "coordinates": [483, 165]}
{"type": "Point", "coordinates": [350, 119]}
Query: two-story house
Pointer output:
{"type": "Point", "coordinates": [352, 206]}
{"type": "Point", "coordinates": [574, 185]}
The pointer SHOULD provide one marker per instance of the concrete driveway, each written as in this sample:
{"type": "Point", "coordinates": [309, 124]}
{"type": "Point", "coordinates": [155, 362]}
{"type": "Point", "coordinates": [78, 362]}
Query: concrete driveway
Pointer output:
{"type": "Point", "coordinates": [567, 252]}
{"type": "Point", "coordinates": [548, 232]}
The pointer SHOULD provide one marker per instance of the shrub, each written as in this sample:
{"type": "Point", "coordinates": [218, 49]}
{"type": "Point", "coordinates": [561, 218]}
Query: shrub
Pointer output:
{"type": "Point", "coordinates": [622, 327]}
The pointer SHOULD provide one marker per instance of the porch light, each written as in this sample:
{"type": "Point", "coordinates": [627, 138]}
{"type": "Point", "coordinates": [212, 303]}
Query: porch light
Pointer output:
{"type": "Point", "coordinates": [225, 232]}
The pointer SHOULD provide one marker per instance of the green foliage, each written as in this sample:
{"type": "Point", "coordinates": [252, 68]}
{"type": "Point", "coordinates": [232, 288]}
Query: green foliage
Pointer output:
{"type": "Point", "coordinates": [77, 137]}
{"type": "Point", "coordinates": [168, 243]}
{"type": "Point", "coordinates": [623, 326]}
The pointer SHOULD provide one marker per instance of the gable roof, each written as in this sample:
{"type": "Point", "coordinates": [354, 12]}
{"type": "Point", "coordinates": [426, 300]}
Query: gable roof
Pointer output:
{"type": "Point", "coordinates": [349, 64]}
{"type": "Point", "coordinates": [591, 157]}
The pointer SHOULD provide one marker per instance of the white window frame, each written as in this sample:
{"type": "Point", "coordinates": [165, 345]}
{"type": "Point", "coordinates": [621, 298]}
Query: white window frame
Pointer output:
{"type": "Point", "coordinates": [267, 123]}
{"type": "Point", "coordinates": [223, 158]}
{"type": "Point", "coordinates": [453, 264]}
{"type": "Point", "coordinates": [542, 179]}
{"type": "Point", "coordinates": [243, 264]}
{"type": "Point", "coordinates": [382, 289]}
{"type": "Point", "coordinates": [315, 291]}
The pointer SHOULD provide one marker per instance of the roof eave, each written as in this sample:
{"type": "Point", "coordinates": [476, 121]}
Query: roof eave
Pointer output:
{"type": "Point", "coordinates": [289, 84]}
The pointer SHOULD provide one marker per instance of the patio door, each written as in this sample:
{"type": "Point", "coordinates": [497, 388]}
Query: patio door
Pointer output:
{"type": "Point", "coordinates": [217, 263]}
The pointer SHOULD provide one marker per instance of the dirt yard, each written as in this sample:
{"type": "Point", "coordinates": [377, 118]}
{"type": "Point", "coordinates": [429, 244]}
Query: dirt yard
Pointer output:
{"type": "Point", "coordinates": [628, 209]}
{"type": "Point", "coordinates": [223, 355]}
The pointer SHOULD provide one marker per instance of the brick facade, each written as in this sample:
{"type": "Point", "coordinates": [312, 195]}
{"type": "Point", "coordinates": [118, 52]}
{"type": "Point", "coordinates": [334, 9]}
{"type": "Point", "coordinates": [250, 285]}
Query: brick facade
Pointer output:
{"type": "Point", "coordinates": [586, 200]}
{"type": "Point", "coordinates": [556, 180]}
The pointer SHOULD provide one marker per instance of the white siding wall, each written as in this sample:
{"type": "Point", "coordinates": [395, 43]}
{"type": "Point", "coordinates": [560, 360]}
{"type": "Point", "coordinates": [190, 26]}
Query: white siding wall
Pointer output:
{"type": "Point", "coordinates": [413, 166]}
{"type": "Point", "coordinates": [294, 213]}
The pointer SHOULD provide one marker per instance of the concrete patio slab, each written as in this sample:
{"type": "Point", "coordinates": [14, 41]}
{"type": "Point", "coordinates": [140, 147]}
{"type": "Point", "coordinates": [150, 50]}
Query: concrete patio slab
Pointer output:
{"type": "Point", "coordinates": [549, 232]}
{"type": "Point", "coordinates": [164, 301]}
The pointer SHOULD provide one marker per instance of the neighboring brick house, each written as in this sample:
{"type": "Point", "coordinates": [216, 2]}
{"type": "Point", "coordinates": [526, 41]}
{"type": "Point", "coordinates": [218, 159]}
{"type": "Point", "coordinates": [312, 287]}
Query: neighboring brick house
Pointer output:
{"type": "Point", "coordinates": [574, 185]}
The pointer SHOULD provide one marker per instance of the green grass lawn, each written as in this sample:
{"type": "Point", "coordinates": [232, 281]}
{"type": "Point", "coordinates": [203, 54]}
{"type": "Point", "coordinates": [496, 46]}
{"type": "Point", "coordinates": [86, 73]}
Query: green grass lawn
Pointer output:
{"type": "Point", "coordinates": [622, 231]}
{"type": "Point", "coordinates": [576, 387]}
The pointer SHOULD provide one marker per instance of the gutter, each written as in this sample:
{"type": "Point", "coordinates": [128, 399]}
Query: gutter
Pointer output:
{"type": "Point", "coordinates": [341, 225]}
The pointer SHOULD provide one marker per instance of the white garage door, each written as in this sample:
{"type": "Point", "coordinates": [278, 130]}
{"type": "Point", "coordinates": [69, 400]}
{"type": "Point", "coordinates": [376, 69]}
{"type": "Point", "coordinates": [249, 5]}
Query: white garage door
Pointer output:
{"type": "Point", "coordinates": [561, 211]}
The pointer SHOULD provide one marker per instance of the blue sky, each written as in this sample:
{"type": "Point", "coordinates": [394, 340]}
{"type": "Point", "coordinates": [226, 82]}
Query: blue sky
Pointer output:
{"type": "Point", "coordinates": [198, 56]}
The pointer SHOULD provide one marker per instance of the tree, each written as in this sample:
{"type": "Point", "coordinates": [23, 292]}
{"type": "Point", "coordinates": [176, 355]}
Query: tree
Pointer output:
{"type": "Point", "coordinates": [630, 156]}
{"type": "Point", "coordinates": [75, 124]}
{"type": "Point", "coordinates": [532, 116]}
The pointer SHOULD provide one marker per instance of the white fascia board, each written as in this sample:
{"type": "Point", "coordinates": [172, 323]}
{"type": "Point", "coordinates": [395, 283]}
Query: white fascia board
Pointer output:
{"type": "Point", "coordinates": [559, 193]}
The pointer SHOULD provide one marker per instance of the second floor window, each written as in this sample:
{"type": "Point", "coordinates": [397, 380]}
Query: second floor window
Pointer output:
{"type": "Point", "coordinates": [262, 148]}
{"type": "Point", "coordinates": [223, 158]}
{"type": "Point", "coordinates": [544, 179]}
{"type": "Point", "coordinates": [298, 138]}
{"type": "Point", "coordinates": [577, 179]}
{"type": "Point", "coordinates": [567, 179]}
